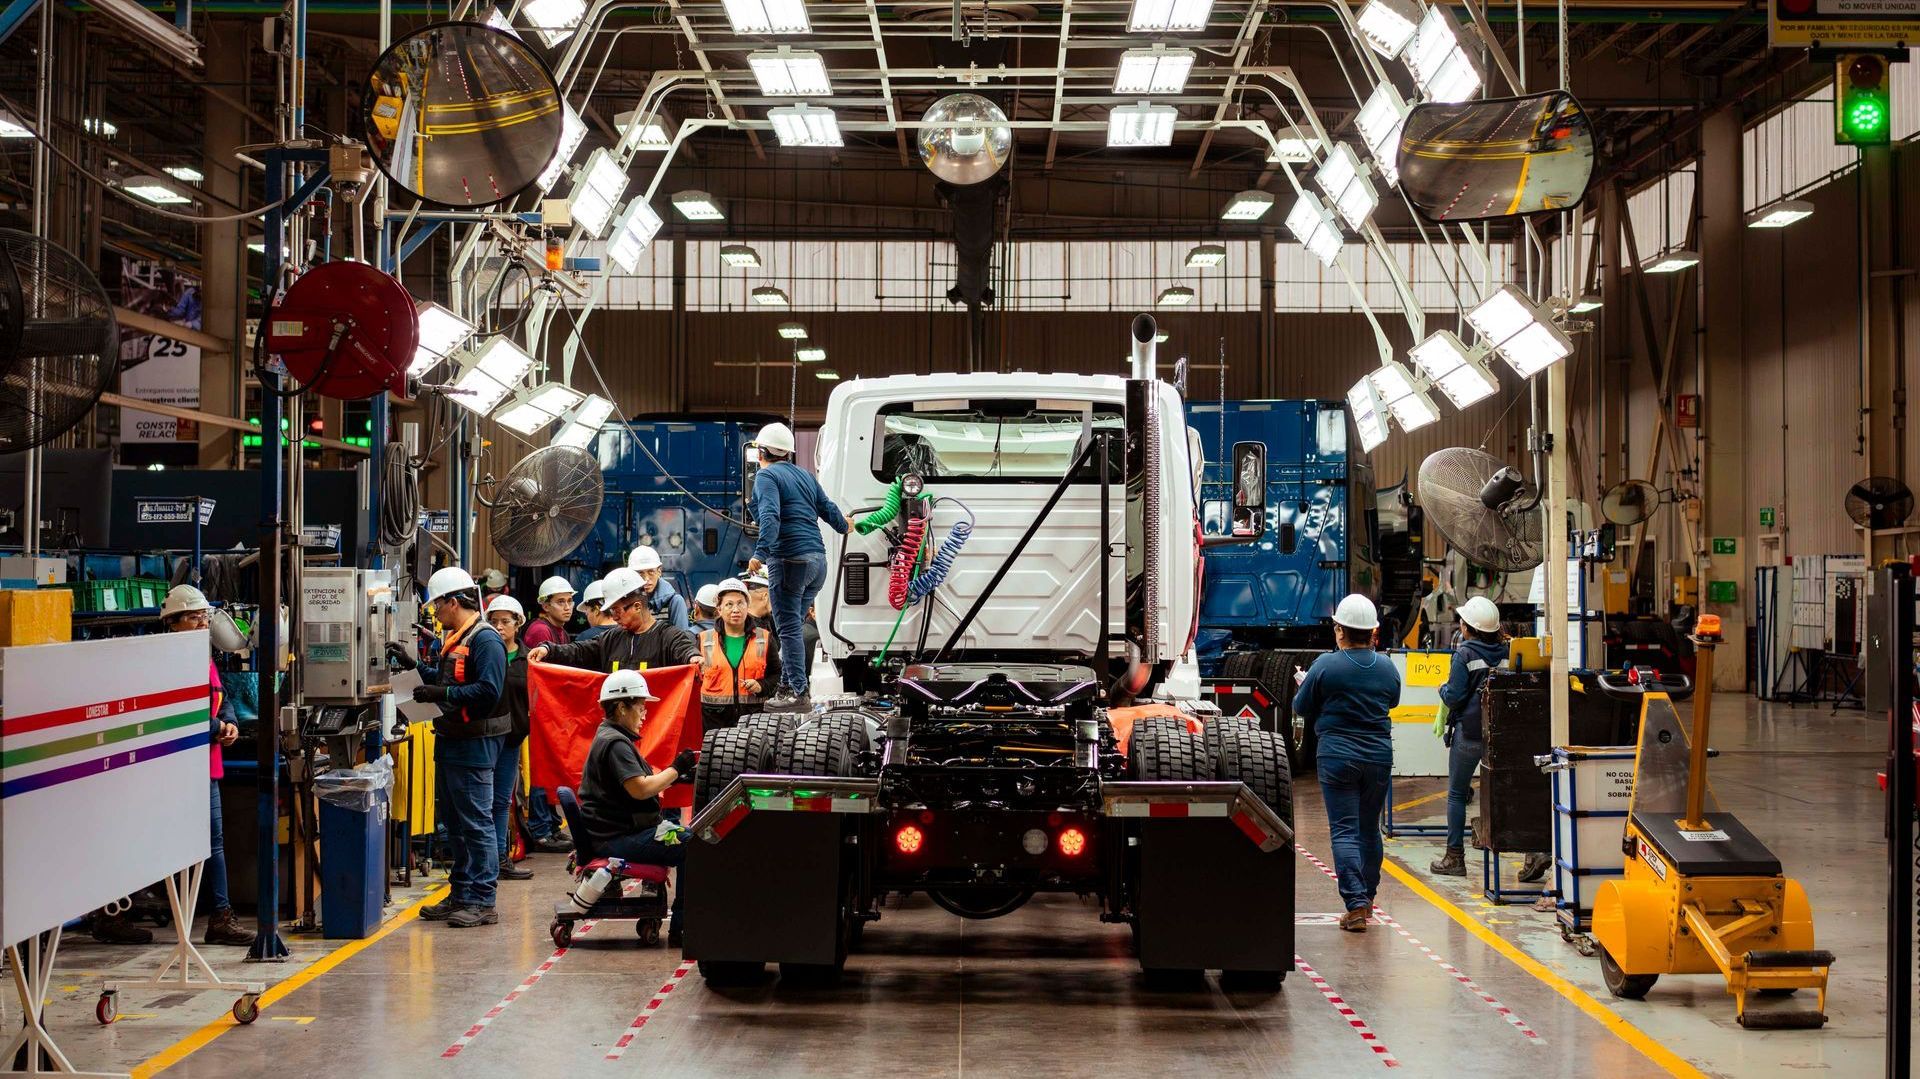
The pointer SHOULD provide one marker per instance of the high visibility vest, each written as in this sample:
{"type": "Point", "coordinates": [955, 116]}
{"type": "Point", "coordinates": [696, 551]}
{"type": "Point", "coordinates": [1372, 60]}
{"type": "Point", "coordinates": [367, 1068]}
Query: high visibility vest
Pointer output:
{"type": "Point", "coordinates": [455, 652]}
{"type": "Point", "coordinates": [719, 680]}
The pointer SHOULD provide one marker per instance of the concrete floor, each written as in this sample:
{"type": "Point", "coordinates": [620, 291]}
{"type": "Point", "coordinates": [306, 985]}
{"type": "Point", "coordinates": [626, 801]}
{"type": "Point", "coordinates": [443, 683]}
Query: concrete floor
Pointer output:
{"type": "Point", "coordinates": [1051, 990]}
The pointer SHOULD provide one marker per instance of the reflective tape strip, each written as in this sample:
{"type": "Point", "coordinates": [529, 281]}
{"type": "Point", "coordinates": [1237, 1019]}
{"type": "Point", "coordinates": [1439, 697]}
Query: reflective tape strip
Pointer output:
{"type": "Point", "coordinates": [1130, 808]}
{"type": "Point", "coordinates": [781, 803]}
{"type": "Point", "coordinates": [1348, 1015]}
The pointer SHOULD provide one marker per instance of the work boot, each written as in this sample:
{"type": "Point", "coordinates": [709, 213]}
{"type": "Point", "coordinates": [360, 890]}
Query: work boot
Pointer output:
{"type": "Point", "coordinates": [675, 935]}
{"type": "Point", "coordinates": [552, 844]}
{"type": "Point", "coordinates": [1451, 864]}
{"type": "Point", "coordinates": [1355, 920]}
{"type": "Point", "coordinates": [509, 871]}
{"type": "Point", "coordinates": [116, 929]}
{"type": "Point", "coordinates": [469, 917]}
{"type": "Point", "coordinates": [1535, 868]}
{"type": "Point", "coordinates": [439, 912]}
{"type": "Point", "coordinates": [224, 928]}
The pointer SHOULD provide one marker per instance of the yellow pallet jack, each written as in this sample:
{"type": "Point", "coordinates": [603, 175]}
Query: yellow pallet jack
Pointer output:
{"type": "Point", "coordinates": [1701, 893]}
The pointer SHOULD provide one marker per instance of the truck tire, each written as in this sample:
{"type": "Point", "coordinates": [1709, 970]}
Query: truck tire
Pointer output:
{"type": "Point", "coordinates": [1240, 665]}
{"type": "Point", "coordinates": [855, 724]}
{"type": "Point", "coordinates": [724, 754]}
{"type": "Point", "coordinates": [815, 750]}
{"type": "Point", "coordinates": [1276, 673]}
{"type": "Point", "coordinates": [771, 722]}
{"type": "Point", "coordinates": [1168, 751]}
{"type": "Point", "coordinates": [1259, 759]}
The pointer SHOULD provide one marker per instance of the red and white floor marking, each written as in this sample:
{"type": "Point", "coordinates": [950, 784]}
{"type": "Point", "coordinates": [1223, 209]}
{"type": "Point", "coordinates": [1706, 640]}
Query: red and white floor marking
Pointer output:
{"type": "Point", "coordinates": [493, 1013]}
{"type": "Point", "coordinates": [1454, 972]}
{"type": "Point", "coordinates": [1347, 1013]}
{"type": "Point", "coordinates": [646, 1013]}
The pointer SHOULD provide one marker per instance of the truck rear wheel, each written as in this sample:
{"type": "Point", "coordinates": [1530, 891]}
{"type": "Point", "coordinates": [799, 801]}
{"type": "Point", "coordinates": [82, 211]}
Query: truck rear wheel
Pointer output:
{"type": "Point", "coordinates": [817, 750]}
{"type": "Point", "coordinates": [1259, 759]}
{"type": "Point", "coordinates": [1276, 672]}
{"type": "Point", "coordinates": [724, 754]}
{"type": "Point", "coordinates": [1163, 749]}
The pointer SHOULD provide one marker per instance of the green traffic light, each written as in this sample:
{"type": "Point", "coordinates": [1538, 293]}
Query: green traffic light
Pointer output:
{"type": "Point", "coordinates": [1866, 117]}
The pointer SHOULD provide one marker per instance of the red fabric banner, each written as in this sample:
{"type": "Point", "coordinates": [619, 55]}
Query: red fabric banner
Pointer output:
{"type": "Point", "coordinates": [566, 709]}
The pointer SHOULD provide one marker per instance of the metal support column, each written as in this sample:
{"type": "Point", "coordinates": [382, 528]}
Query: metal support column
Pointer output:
{"type": "Point", "coordinates": [1724, 387]}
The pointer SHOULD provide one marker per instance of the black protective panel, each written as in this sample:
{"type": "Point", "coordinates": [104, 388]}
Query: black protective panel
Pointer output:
{"type": "Point", "coordinates": [1516, 797]}
{"type": "Point", "coordinates": [771, 891]}
{"type": "Point", "coordinates": [1740, 854]}
{"type": "Point", "coordinates": [1209, 899]}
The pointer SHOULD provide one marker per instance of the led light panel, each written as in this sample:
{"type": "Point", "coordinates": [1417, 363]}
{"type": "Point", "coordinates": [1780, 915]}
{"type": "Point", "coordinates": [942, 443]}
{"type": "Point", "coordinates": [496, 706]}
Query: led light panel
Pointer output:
{"type": "Point", "coordinates": [1176, 16]}
{"type": "Point", "coordinates": [805, 125]}
{"type": "Point", "coordinates": [1144, 124]}
{"type": "Point", "coordinates": [1158, 70]}
{"type": "Point", "coordinates": [572, 131]}
{"type": "Point", "coordinates": [768, 17]}
{"type": "Point", "coordinates": [1248, 206]}
{"type": "Point", "coordinates": [787, 73]}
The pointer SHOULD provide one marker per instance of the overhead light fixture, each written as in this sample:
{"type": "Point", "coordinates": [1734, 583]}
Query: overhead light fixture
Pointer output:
{"type": "Point", "coordinates": [441, 331]}
{"type": "Point", "coordinates": [827, 374]}
{"type": "Point", "coordinates": [1379, 122]}
{"type": "Point", "coordinates": [1671, 262]}
{"type": "Point", "coordinates": [1161, 337]}
{"type": "Point", "coordinates": [768, 296]}
{"type": "Point", "coordinates": [158, 31]}
{"type": "Point", "coordinates": [1344, 179]}
{"type": "Point", "coordinates": [1145, 124]}
{"type": "Point", "coordinates": [154, 190]}
{"type": "Point", "coordinates": [1248, 206]}
{"type": "Point", "coordinates": [1778, 215]}
{"type": "Point", "coordinates": [1369, 414]}
{"type": "Point", "coordinates": [1521, 331]}
{"type": "Point", "coordinates": [499, 21]}
{"type": "Point", "coordinates": [185, 172]}
{"type": "Point", "coordinates": [1176, 16]}
{"type": "Point", "coordinates": [632, 233]}
{"type": "Point", "coordinates": [489, 375]}
{"type": "Point", "coordinates": [1589, 302]}
{"type": "Point", "coordinates": [810, 354]}
{"type": "Point", "coordinates": [1443, 67]}
{"type": "Point", "coordinates": [1293, 151]}
{"type": "Point", "coordinates": [652, 133]}
{"type": "Point", "coordinates": [1460, 372]}
{"type": "Point", "coordinates": [106, 129]}
{"type": "Point", "coordinates": [1175, 296]}
{"type": "Point", "coordinates": [572, 131]}
{"type": "Point", "coordinates": [12, 128]}
{"type": "Point", "coordinates": [1314, 226]}
{"type": "Point", "coordinates": [793, 331]}
{"type": "Point", "coordinates": [1387, 25]}
{"type": "Point", "coordinates": [1158, 70]}
{"type": "Point", "coordinates": [1407, 401]}
{"type": "Point", "coordinates": [697, 206]}
{"type": "Point", "coordinates": [739, 256]}
{"type": "Point", "coordinates": [531, 410]}
{"type": "Point", "coordinates": [597, 192]}
{"type": "Point", "coordinates": [768, 17]}
{"type": "Point", "coordinates": [1204, 255]}
{"type": "Point", "coordinates": [805, 125]}
{"type": "Point", "coordinates": [580, 425]}
{"type": "Point", "coordinates": [554, 20]}
{"type": "Point", "coordinates": [783, 72]}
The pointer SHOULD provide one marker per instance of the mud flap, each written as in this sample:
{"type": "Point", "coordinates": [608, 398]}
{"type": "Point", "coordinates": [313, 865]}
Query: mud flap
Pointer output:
{"type": "Point", "coordinates": [1210, 900]}
{"type": "Point", "coordinates": [773, 892]}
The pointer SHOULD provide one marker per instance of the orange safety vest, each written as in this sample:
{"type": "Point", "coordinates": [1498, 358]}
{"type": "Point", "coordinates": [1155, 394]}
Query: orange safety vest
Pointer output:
{"type": "Point", "coordinates": [455, 650]}
{"type": "Point", "coordinates": [719, 680]}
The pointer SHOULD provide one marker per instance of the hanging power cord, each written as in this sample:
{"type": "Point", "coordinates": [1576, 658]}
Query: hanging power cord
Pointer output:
{"type": "Point", "coordinates": [399, 497]}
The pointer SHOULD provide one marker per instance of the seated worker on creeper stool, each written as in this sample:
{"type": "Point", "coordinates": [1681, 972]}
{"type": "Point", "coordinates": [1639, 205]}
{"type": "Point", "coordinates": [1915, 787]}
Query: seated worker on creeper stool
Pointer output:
{"type": "Point", "coordinates": [620, 792]}
{"type": "Point", "coordinates": [737, 661]}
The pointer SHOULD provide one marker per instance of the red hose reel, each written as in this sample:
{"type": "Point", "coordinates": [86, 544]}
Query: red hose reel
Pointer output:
{"type": "Point", "coordinates": [345, 330]}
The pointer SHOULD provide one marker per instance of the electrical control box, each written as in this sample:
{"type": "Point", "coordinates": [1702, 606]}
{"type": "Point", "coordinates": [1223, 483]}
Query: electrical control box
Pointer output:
{"type": "Point", "coordinates": [347, 617]}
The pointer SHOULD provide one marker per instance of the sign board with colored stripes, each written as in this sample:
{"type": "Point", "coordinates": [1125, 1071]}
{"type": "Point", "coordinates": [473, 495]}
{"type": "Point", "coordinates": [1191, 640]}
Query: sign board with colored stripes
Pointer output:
{"type": "Point", "coordinates": [103, 772]}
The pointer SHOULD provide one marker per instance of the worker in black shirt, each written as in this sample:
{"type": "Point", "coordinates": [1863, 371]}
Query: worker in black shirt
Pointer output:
{"type": "Point", "coordinates": [642, 641]}
{"type": "Point", "coordinates": [620, 792]}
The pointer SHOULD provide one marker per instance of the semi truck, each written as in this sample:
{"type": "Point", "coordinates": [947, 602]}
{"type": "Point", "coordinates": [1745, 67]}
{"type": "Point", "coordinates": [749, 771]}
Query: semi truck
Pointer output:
{"type": "Point", "coordinates": [1006, 698]}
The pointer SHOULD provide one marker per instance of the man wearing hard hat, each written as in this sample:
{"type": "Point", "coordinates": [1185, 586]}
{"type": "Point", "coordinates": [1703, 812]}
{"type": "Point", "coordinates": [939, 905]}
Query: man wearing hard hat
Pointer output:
{"type": "Point", "coordinates": [706, 604]}
{"type": "Point", "coordinates": [620, 792]}
{"type": "Point", "coordinates": [642, 640]}
{"type": "Point", "coordinates": [593, 603]}
{"type": "Point", "coordinates": [665, 600]}
{"type": "Point", "coordinates": [789, 505]}
{"type": "Point", "coordinates": [556, 610]}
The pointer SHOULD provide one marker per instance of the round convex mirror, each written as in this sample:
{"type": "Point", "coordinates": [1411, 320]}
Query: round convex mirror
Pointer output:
{"type": "Point", "coordinates": [462, 115]}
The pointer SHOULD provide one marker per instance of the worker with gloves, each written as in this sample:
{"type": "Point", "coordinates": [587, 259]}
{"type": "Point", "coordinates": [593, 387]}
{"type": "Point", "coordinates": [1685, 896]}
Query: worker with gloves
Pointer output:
{"type": "Point", "coordinates": [738, 662]}
{"type": "Point", "coordinates": [556, 610]}
{"type": "Point", "coordinates": [620, 792]}
{"type": "Point", "coordinates": [706, 603]}
{"type": "Point", "coordinates": [593, 604]}
{"type": "Point", "coordinates": [1348, 695]}
{"type": "Point", "coordinates": [666, 601]}
{"type": "Point", "coordinates": [1482, 650]}
{"type": "Point", "coordinates": [788, 504]}
{"type": "Point", "coordinates": [641, 641]}
{"type": "Point", "coordinates": [506, 616]}
{"type": "Point", "coordinates": [468, 682]}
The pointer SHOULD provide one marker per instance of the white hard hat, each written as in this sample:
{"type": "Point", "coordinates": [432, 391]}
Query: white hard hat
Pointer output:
{"type": "Point", "coordinates": [495, 578]}
{"type": "Point", "coordinates": [708, 595]}
{"type": "Point", "coordinates": [777, 437]}
{"type": "Point", "coordinates": [1356, 612]}
{"type": "Point", "coordinates": [595, 592]}
{"type": "Point", "coordinates": [644, 557]}
{"type": "Point", "coordinates": [504, 602]}
{"type": "Point", "coordinates": [450, 579]}
{"type": "Point", "coordinates": [757, 580]}
{"type": "Point", "coordinates": [181, 599]}
{"type": "Point", "coordinates": [553, 586]}
{"type": "Point", "coordinates": [619, 584]}
{"type": "Point", "coordinates": [731, 584]}
{"type": "Point", "coordinates": [1480, 613]}
{"type": "Point", "coordinates": [625, 685]}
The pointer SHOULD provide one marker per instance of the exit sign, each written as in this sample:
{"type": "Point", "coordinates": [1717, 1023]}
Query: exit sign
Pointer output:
{"type": "Point", "coordinates": [1726, 545]}
{"type": "Point", "coordinates": [1766, 516]}
{"type": "Point", "coordinates": [1723, 592]}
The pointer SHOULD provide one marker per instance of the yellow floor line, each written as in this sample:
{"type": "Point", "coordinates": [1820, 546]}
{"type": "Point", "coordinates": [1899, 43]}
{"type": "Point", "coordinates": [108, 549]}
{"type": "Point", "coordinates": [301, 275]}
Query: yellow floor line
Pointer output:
{"type": "Point", "coordinates": [1625, 1031]}
{"type": "Point", "coordinates": [205, 1036]}
{"type": "Point", "coordinates": [1420, 801]}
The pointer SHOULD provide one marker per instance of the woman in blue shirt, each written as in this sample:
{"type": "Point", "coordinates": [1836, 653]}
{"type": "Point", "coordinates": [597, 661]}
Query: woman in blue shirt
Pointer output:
{"type": "Point", "coordinates": [1348, 694]}
{"type": "Point", "coordinates": [1481, 650]}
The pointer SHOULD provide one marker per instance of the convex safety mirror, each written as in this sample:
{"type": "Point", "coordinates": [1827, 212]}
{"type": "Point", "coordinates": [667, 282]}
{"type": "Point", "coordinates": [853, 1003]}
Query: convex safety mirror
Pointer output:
{"type": "Point", "coordinates": [462, 115]}
{"type": "Point", "coordinates": [1497, 158]}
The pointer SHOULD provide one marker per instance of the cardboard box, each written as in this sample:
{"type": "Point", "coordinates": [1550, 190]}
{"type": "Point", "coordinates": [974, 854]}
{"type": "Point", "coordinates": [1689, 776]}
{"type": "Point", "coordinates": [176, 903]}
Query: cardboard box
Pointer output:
{"type": "Point", "coordinates": [40, 616]}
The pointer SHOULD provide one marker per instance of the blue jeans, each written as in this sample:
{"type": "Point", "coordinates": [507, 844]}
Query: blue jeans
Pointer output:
{"type": "Point", "coordinates": [1355, 793]}
{"type": "Point", "coordinates": [506, 780]}
{"type": "Point", "coordinates": [643, 848]}
{"type": "Point", "coordinates": [794, 582]}
{"type": "Point", "coordinates": [543, 820]}
{"type": "Point", "coordinates": [216, 876]}
{"type": "Point", "coordinates": [1462, 760]}
{"type": "Point", "coordinates": [466, 767]}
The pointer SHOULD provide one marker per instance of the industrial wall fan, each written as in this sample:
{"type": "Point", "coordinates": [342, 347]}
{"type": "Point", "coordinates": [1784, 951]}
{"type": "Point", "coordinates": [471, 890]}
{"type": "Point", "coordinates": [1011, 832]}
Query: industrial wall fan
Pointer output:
{"type": "Point", "coordinates": [546, 505]}
{"type": "Point", "coordinates": [1629, 502]}
{"type": "Point", "coordinates": [1486, 511]}
{"type": "Point", "coordinates": [59, 341]}
{"type": "Point", "coordinates": [1879, 502]}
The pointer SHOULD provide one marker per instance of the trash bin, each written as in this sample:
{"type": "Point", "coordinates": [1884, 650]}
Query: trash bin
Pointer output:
{"type": "Point", "coordinates": [353, 822]}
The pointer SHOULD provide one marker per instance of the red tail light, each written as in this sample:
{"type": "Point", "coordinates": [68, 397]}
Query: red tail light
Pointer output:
{"type": "Point", "coordinates": [908, 839]}
{"type": "Point", "coordinates": [1072, 842]}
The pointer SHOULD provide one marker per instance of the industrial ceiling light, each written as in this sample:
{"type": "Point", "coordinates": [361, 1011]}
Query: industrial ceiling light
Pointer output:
{"type": "Point", "coordinates": [12, 128]}
{"type": "Point", "coordinates": [1344, 179]}
{"type": "Point", "coordinates": [768, 17]}
{"type": "Point", "coordinates": [1589, 302]}
{"type": "Point", "coordinates": [499, 21]}
{"type": "Point", "coordinates": [793, 331]}
{"type": "Point", "coordinates": [784, 72]}
{"type": "Point", "coordinates": [768, 296]}
{"type": "Point", "coordinates": [1521, 331]}
{"type": "Point", "coordinates": [1379, 122]}
{"type": "Point", "coordinates": [1158, 70]}
{"type": "Point", "coordinates": [157, 31]}
{"type": "Point", "coordinates": [652, 133]}
{"type": "Point", "coordinates": [572, 131]}
{"type": "Point", "coordinates": [597, 192]}
{"type": "Point", "coordinates": [632, 234]}
{"type": "Point", "coordinates": [185, 172]}
{"type": "Point", "coordinates": [1387, 25]}
{"type": "Point", "coordinates": [1293, 151]}
{"type": "Point", "coordinates": [554, 20]}
{"type": "Point", "coordinates": [1175, 296]}
{"type": "Point", "coordinates": [489, 375]}
{"type": "Point", "coordinates": [1204, 255]}
{"type": "Point", "coordinates": [739, 256]}
{"type": "Point", "coordinates": [827, 374]}
{"type": "Point", "coordinates": [1671, 262]}
{"type": "Point", "coordinates": [1460, 372]}
{"type": "Point", "coordinates": [1161, 337]}
{"type": "Point", "coordinates": [697, 206]}
{"type": "Point", "coordinates": [441, 331]}
{"type": "Point", "coordinates": [1145, 124]}
{"type": "Point", "coordinates": [1444, 68]}
{"type": "Point", "coordinates": [580, 425]}
{"type": "Point", "coordinates": [805, 125]}
{"type": "Point", "coordinates": [1778, 215]}
{"type": "Point", "coordinates": [1313, 225]}
{"type": "Point", "coordinates": [106, 129]}
{"type": "Point", "coordinates": [1248, 206]}
{"type": "Point", "coordinates": [531, 410]}
{"type": "Point", "coordinates": [1369, 415]}
{"type": "Point", "coordinates": [1175, 16]}
{"type": "Point", "coordinates": [1406, 399]}
{"type": "Point", "coordinates": [810, 354]}
{"type": "Point", "coordinates": [154, 190]}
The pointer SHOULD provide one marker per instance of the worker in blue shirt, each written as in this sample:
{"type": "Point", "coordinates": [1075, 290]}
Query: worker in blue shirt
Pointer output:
{"type": "Point", "coordinates": [1348, 695]}
{"type": "Point", "coordinates": [1482, 650]}
{"type": "Point", "coordinates": [788, 504]}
